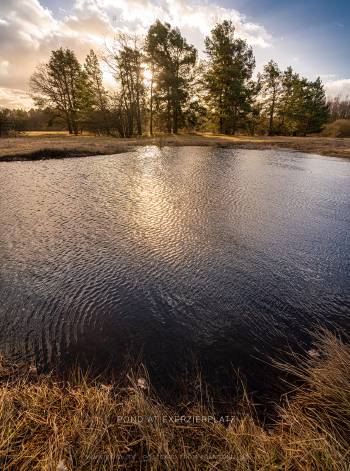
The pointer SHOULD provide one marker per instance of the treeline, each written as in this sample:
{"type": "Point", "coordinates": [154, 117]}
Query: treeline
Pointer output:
{"type": "Point", "coordinates": [162, 86]}
{"type": "Point", "coordinates": [339, 108]}
{"type": "Point", "coordinates": [13, 121]}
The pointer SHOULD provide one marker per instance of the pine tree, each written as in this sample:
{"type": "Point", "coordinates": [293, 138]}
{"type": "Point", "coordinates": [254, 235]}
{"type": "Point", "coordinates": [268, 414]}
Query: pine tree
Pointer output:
{"type": "Point", "coordinates": [228, 77]}
{"type": "Point", "coordinates": [288, 80]}
{"type": "Point", "coordinates": [316, 108]}
{"type": "Point", "coordinates": [271, 87]}
{"type": "Point", "coordinates": [303, 107]}
{"type": "Point", "coordinates": [96, 98]}
{"type": "Point", "coordinates": [172, 60]}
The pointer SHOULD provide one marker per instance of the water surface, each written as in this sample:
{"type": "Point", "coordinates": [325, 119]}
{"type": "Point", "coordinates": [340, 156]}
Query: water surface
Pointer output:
{"type": "Point", "coordinates": [230, 254]}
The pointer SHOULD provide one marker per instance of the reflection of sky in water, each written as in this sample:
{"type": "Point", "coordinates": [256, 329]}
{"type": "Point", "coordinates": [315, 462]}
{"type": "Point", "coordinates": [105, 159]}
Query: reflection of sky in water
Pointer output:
{"type": "Point", "coordinates": [226, 250]}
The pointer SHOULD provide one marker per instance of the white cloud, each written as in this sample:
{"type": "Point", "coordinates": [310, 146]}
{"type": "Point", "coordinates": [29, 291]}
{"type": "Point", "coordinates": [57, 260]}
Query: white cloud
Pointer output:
{"type": "Point", "coordinates": [29, 31]}
{"type": "Point", "coordinates": [88, 21]}
{"type": "Point", "coordinates": [28, 35]}
{"type": "Point", "coordinates": [195, 18]}
{"type": "Point", "coordinates": [339, 88]}
{"type": "Point", "coordinates": [13, 98]}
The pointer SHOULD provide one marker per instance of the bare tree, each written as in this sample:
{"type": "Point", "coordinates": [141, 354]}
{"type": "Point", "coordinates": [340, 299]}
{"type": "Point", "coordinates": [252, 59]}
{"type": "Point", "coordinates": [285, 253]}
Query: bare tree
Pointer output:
{"type": "Point", "coordinates": [125, 59]}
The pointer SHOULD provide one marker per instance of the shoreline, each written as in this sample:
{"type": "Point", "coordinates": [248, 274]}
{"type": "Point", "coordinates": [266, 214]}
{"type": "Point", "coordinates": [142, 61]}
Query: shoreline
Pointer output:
{"type": "Point", "coordinates": [58, 146]}
{"type": "Point", "coordinates": [84, 424]}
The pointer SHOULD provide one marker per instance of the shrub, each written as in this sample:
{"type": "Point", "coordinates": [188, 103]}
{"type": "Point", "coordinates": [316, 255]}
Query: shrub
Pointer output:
{"type": "Point", "coordinates": [339, 128]}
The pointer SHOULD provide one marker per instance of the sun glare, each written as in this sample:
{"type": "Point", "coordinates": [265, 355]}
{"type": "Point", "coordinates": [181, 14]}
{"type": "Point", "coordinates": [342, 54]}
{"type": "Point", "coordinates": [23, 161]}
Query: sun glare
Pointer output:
{"type": "Point", "coordinates": [147, 75]}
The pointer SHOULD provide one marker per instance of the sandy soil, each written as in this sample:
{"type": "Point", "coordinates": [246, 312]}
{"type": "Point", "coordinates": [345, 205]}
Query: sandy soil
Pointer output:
{"type": "Point", "coordinates": [40, 146]}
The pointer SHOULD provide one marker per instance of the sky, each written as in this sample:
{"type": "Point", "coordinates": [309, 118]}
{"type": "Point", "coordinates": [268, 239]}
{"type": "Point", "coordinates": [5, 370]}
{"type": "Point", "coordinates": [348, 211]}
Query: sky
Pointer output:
{"type": "Point", "coordinates": [313, 36]}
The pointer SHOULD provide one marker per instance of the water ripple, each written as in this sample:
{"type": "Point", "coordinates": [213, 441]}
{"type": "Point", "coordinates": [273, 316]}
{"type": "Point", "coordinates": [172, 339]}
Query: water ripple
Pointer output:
{"type": "Point", "coordinates": [224, 252]}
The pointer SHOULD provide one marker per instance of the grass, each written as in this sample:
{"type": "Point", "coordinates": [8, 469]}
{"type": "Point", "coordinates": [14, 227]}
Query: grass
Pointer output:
{"type": "Point", "coordinates": [45, 133]}
{"type": "Point", "coordinates": [42, 145]}
{"type": "Point", "coordinates": [81, 424]}
{"type": "Point", "coordinates": [339, 128]}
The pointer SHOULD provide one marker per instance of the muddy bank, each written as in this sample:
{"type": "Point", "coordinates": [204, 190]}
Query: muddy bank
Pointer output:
{"type": "Point", "coordinates": [49, 153]}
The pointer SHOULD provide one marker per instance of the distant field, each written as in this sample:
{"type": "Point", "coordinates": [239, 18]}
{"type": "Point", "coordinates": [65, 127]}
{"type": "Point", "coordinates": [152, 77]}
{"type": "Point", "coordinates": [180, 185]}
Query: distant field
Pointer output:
{"type": "Point", "coordinates": [45, 133]}
{"type": "Point", "coordinates": [44, 145]}
{"type": "Point", "coordinates": [51, 134]}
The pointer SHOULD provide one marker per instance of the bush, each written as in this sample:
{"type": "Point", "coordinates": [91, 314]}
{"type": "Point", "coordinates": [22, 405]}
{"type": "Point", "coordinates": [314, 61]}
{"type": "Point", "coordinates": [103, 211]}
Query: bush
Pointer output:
{"type": "Point", "coordinates": [339, 128]}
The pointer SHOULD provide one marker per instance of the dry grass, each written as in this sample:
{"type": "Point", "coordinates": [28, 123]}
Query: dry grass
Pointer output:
{"type": "Point", "coordinates": [339, 128]}
{"type": "Point", "coordinates": [45, 133]}
{"type": "Point", "coordinates": [85, 425]}
{"type": "Point", "coordinates": [59, 145]}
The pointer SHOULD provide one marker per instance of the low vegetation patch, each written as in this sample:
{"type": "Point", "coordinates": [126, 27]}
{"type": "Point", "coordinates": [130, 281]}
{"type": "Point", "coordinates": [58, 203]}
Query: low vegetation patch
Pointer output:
{"type": "Point", "coordinates": [339, 128]}
{"type": "Point", "coordinates": [46, 424]}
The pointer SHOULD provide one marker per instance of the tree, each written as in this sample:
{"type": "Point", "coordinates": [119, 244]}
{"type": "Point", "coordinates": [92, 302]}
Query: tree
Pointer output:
{"type": "Point", "coordinates": [339, 108]}
{"type": "Point", "coordinates": [288, 81]}
{"type": "Point", "coordinates": [96, 97]}
{"type": "Point", "coordinates": [60, 84]}
{"type": "Point", "coordinates": [254, 119]}
{"type": "Point", "coordinates": [94, 81]}
{"type": "Point", "coordinates": [303, 108]}
{"type": "Point", "coordinates": [317, 110]}
{"type": "Point", "coordinates": [6, 123]}
{"type": "Point", "coordinates": [12, 121]}
{"type": "Point", "coordinates": [172, 62]}
{"type": "Point", "coordinates": [194, 112]}
{"type": "Point", "coordinates": [158, 77]}
{"type": "Point", "coordinates": [229, 70]}
{"type": "Point", "coordinates": [126, 61]}
{"type": "Point", "coordinates": [270, 87]}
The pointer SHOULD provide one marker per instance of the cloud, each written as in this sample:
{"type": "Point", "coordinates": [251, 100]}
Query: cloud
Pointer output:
{"type": "Point", "coordinates": [88, 21]}
{"type": "Point", "coordinates": [339, 88]}
{"type": "Point", "coordinates": [4, 65]}
{"type": "Point", "coordinates": [29, 31]}
{"type": "Point", "coordinates": [196, 18]}
{"type": "Point", "coordinates": [328, 77]}
{"type": "Point", "coordinates": [13, 98]}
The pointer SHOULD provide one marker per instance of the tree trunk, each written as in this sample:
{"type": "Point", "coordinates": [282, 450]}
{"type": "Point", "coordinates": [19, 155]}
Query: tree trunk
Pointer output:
{"type": "Point", "coordinates": [221, 121]}
{"type": "Point", "coordinates": [75, 125]}
{"type": "Point", "coordinates": [138, 114]}
{"type": "Point", "coordinates": [151, 108]}
{"type": "Point", "coordinates": [272, 112]}
{"type": "Point", "coordinates": [175, 119]}
{"type": "Point", "coordinates": [169, 117]}
{"type": "Point", "coordinates": [68, 123]}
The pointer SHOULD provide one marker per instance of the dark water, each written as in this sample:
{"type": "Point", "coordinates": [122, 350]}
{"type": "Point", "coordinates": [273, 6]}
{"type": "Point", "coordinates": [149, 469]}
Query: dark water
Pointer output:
{"type": "Point", "coordinates": [227, 254]}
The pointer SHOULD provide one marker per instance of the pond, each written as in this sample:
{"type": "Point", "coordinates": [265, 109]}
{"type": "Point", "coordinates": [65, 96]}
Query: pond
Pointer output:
{"type": "Point", "coordinates": [227, 256]}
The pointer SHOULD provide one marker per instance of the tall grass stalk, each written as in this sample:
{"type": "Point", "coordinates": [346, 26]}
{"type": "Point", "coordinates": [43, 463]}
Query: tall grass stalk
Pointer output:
{"type": "Point", "coordinates": [51, 425]}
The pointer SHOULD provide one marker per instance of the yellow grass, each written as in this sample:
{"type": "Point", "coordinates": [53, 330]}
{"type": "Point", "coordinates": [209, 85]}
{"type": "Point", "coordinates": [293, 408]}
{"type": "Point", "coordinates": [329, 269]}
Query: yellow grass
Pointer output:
{"type": "Point", "coordinates": [45, 133]}
{"type": "Point", "coordinates": [40, 145]}
{"type": "Point", "coordinates": [84, 425]}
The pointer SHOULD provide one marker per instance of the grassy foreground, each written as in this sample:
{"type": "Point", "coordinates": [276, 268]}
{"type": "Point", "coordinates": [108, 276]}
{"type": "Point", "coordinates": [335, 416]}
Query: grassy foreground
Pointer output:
{"type": "Point", "coordinates": [85, 425]}
{"type": "Point", "coordinates": [38, 146]}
